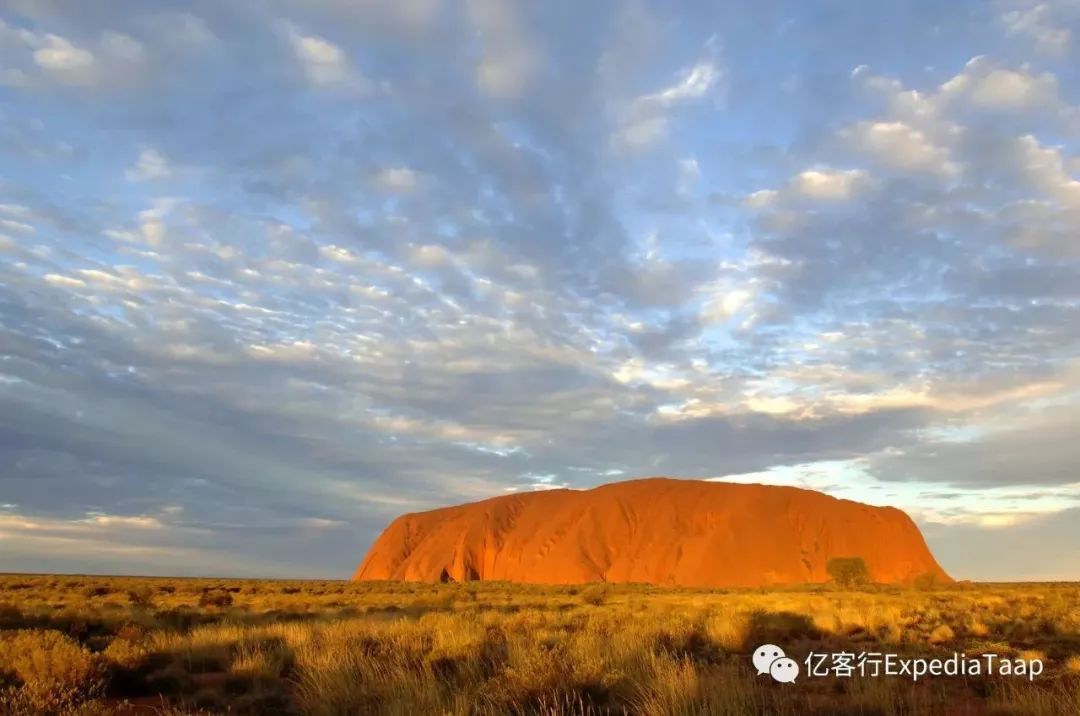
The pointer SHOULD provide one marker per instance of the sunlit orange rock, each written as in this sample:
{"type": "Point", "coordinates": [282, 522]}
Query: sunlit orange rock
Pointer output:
{"type": "Point", "coordinates": [657, 530]}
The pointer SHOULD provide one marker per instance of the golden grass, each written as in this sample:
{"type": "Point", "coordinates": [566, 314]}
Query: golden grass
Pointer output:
{"type": "Point", "coordinates": [327, 648]}
{"type": "Point", "coordinates": [55, 673]}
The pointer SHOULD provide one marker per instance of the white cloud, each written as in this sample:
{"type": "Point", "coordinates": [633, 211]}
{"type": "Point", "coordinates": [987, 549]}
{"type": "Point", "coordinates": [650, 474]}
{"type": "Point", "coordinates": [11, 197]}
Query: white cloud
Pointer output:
{"type": "Point", "coordinates": [150, 165]}
{"type": "Point", "coordinates": [828, 185]}
{"type": "Point", "coordinates": [724, 305]}
{"type": "Point", "coordinates": [66, 281]}
{"type": "Point", "coordinates": [501, 78]}
{"type": "Point", "coordinates": [94, 521]}
{"type": "Point", "coordinates": [644, 120]}
{"type": "Point", "coordinates": [398, 179]}
{"type": "Point", "coordinates": [694, 84]}
{"type": "Point", "coordinates": [323, 62]}
{"type": "Point", "coordinates": [900, 146]}
{"type": "Point", "coordinates": [784, 209]}
{"type": "Point", "coordinates": [916, 109]}
{"type": "Point", "coordinates": [152, 221]}
{"type": "Point", "coordinates": [110, 58]}
{"type": "Point", "coordinates": [1044, 168]}
{"type": "Point", "coordinates": [509, 58]}
{"type": "Point", "coordinates": [761, 198]}
{"type": "Point", "coordinates": [17, 210]}
{"type": "Point", "coordinates": [1037, 24]}
{"type": "Point", "coordinates": [483, 437]}
{"type": "Point", "coordinates": [121, 47]}
{"type": "Point", "coordinates": [429, 255]}
{"type": "Point", "coordinates": [772, 405]}
{"type": "Point", "coordinates": [640, 135]}
{"type": "Point", "coordinates": [985, 86]}
{"type": "Point", "coordinates": [689, 174]}
{"type": "Point", "coordinates": [320, 523]}
{"type": "Point", "coordinates": [153, 230]}
{"type": "Point", "coordinates": [57, 54]}
{"type": "Point", "coordinates": [337, 253]}
{"type": "Point", "coordinates": [294, 352]}
{"type": "Point", "coordinates": [141, 522]}
{"type": "Point", "coordinates": [18, 227]}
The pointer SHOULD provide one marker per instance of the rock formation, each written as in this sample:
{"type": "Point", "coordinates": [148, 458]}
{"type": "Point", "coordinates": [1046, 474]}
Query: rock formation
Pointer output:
{"type": "Point", "coordinates": [657, 530]}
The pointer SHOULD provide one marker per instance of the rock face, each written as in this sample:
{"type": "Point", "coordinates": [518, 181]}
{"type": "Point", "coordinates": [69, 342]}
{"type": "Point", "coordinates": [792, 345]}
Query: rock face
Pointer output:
{"type": "Point", "coordinates": [659, 531]}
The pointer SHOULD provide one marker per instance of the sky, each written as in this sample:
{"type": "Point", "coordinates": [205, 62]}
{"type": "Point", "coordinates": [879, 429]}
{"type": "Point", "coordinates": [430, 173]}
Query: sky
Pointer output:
{"type": "Point", "coordinates": [273, 273]}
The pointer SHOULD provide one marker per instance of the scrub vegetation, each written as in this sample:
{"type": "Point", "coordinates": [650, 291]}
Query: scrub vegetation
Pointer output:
{"type": "Point", "coordinates": [101, 645]}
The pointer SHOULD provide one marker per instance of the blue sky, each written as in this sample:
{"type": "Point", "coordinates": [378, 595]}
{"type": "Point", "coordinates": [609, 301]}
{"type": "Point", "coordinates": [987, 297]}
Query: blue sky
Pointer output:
{"type": "Point", "coordinates": [274, 273]}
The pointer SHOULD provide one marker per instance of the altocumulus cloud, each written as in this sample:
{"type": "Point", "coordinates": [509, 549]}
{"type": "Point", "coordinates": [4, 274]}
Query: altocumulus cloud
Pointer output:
{"type": "Point", "coordinates": [271, 275]}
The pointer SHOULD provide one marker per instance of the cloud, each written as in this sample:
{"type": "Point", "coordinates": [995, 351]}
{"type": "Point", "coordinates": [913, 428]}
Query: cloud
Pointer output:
{"type": "Point", "coordinates": [645, 118]}
{"type": "Point", "coordinates": [323, 62]}
{"type": "Point", "coordinates": [508, 58]}
{"type": "Point", "coordinates": [123, 48]}
{"type": "Point", "coordinates": [1044, 168]}
{"type": "Point", "coordinates": [995, 459]}
{"type": "Point", "coordinates": [106, 58]}
{"type": "Point", "coordinates": [57, 54]}
{"type": "Point", "coordinates": [337, 253]}
{"type": "Point", "coordinates": [821, 184]}
{"type": "Point", "coordinates": [398, 179]}
{"type": "Point", "coordinates": [641, 134]}
{"type": "Point", "coordinates": [1037, 549]}
{"type": "Point", "coordinates": [183, 28]}
{"type": "Point", "coordinates": [828, 185]}
{"type": "Point", "coordinates": [901, 147]}
{"type": "Point", "coordinates": [58, 280]}
{"type": "Point", "coordinates": [694, 84]}
{"type": "Point", "coordinates": [1037, 23]}
{"type": "Point", "coordinates": [761, 198]}
{"type": "Point", "coordinates": [149, 166]}
{"type": "Point", "coordinates": [1009, 89]}
{"type": "Point", "coordinates": [725, 305]}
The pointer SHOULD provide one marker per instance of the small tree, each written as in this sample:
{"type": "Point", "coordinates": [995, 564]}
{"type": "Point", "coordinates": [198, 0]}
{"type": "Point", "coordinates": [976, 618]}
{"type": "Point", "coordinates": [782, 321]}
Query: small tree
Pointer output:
{"type": "Point", "coordinates": [848, 571]}
{"type": "Point", "coordinates": [925, 581]}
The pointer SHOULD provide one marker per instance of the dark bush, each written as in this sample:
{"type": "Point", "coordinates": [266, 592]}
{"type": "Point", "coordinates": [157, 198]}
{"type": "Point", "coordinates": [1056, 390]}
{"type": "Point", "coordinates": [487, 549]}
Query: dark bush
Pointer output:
{"type": "Point", "coordinates": [141, 596]}
{"type": "Point", "coordinates": [11, 617]}
{"type": "Point", "coordinates": [215, 598]}
{"type": "Point", "coordinates": [848, 571]}
{"type": "Point", "coordinates": [595, 594]}
{"type": "Point", "coordinates": [925, 581]}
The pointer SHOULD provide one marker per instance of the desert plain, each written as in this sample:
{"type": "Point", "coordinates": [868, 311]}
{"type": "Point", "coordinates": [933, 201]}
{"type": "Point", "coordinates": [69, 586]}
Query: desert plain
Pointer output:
{"type": "Point", "coordinates": [130, 645]}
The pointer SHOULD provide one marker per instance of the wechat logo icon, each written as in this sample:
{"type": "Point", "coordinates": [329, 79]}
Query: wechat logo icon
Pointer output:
{"type": "Point", "coordinates": [771, 659]}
